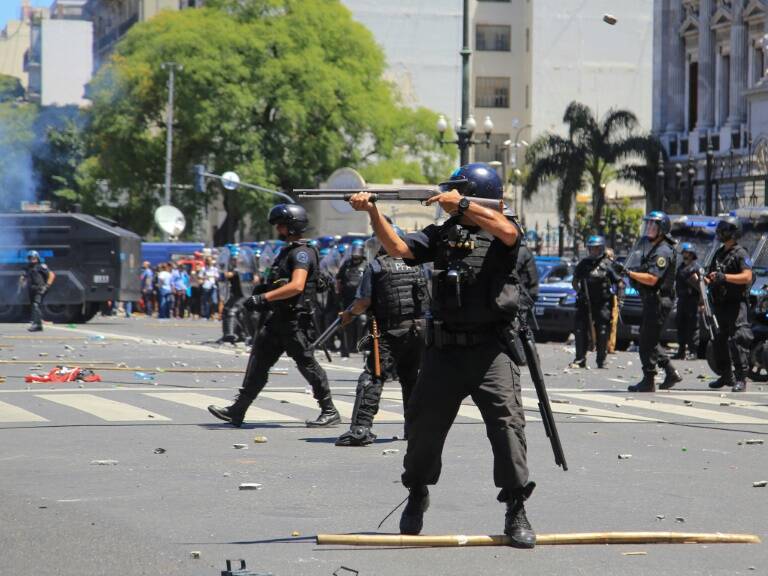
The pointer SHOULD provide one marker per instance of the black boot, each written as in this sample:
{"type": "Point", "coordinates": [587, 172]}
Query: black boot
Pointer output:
{"type": "Point", "coordinates": [740, 385]}
{"type": "Point", "coordinates": [671, 377]}
{"type": "Point", "coordinates": [234, 413]}
{"type": "Point", "coordinates": [35, 328]}
{"type": "Point", "coordinates": [724, 380]}
{"type": "Point", "coordinates": [412, 519]}
{"type": "Point", "coordinates": [329, 416]}
{"type": "Point", "coordinates": [578, 363]}
{"type": "Point", "coordinates": [647, 384]}
{"type": "Point", "coordinates": [356, 436]}
{"type": "Point", "coordinates": [517, 526]}
{"type": "Point", "coordinates": [228, 327]}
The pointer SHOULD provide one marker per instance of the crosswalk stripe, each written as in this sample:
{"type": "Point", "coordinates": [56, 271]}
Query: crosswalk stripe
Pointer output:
{"type": "Point", "coordinates": [105, 409]}
{"type": "Point", "coordinates": [468, 411]}
{"type": "Point", "coordinates": [344, 408]}
{"type": "Point", "coordinates": [657, 406]}
{"type": "Point", "coordinates": [589, 412]}
{"type": "Point", "coordinates": [202, 401]}
{"type": "Point", "coordinates": [737, 403]}
{"type": "Point", "coordinates": [11, 413]}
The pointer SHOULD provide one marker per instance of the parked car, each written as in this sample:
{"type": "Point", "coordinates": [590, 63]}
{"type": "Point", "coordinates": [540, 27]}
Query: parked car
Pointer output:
{"type": "Point", "coordinates": [555, 307]}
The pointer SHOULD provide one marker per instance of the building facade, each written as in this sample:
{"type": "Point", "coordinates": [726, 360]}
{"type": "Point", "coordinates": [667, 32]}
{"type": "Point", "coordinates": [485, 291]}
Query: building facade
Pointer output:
{"type": "Point", "coordinates": [15, 40]}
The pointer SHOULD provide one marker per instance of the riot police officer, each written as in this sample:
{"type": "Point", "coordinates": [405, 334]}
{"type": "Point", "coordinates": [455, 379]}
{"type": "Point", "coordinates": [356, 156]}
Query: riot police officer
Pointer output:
{"type": "Point", "coordinates": [688, 298]}
{"type": "Point", "coordinates": [38, 279]}
{"type": "Point", "coordinates": [347, 281]}
{"type": "Point", "coordinates": [651, 268]}
{"type": "Point", "coordinates": [474, 294]}
{"type": "Point", "coordinates": [730, 277]}
{"type": "Point", "coordinates": [395, 294]}
{"type": "Point", "coordinates": [286, 302]}
{"type": "Point", "coordinates": [234, 298]}
{"type": "Point", "coordinates": [595, 282]}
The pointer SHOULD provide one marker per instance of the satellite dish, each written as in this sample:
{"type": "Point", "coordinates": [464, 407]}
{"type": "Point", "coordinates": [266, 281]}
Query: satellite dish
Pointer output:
{"type": "Point", "coordinates": [230, 180]}
{"type": "Point", "coordinates": [170, 220]}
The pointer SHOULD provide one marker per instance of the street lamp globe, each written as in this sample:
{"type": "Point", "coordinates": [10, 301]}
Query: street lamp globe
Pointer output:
{"type": "Point", "coordinates": [470, 124]}
{"type": "Point", "coordinates": [442, 124]}
{"type": "Point", "coordinates": [488, 125]}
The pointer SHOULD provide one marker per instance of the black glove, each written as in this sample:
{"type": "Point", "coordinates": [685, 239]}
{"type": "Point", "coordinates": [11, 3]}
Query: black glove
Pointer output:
{"type": "Point", "coordinates": [43, 289]}
{"type": "Point", "coordinates": [718, 278]}
{"type": "Point", "coordinates": [619, 268]}
{"type": "Point", "coordinates": [257, 302]}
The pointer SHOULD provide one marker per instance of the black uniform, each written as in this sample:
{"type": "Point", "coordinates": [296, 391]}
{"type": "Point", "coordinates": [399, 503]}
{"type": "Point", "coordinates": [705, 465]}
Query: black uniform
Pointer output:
{"type": "Point", "coordinates": [729, 303]}
{"type": "Point", "coordinates": [475, 288]}
{"type": "Point", "coordinates": [288, 327]}
{"type": "Point", "coordinates": [229, 316]}
{"type": "Point", "coordinates": [601, 282]}
{"type": "Point", "coordinates": [349, 276]}
{"type": "Point", "coordinates": [36, 276]}
{"type": "Point", "coordinates": [657, 304]}
{"type": "Point", "coordinates": [398, 299]}
{"type": "Point", "coordinates": [687, 315]}
{"type": "Point", "coordinates": [527, 272]}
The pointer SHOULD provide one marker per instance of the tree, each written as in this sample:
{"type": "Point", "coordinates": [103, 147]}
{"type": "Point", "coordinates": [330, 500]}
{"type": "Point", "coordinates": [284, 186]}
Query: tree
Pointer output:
{"type": "Point", "coordinates": [644, 174]}
{"type": "Point", "coordinates": [281, 91]}
{"type": "Point", "coordinates": [586, 157]}
{"type": "Point", "coordinates": [10, 88]}
{"type": "Point", "coordinates": [17, 137]}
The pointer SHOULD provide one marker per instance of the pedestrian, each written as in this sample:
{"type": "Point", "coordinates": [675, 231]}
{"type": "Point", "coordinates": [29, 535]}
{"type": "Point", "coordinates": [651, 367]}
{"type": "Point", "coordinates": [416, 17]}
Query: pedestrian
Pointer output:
{"type": "Point", "coordinates": [287, 325]}
{"type": "Point", "coordinates": [194, 291]}
{"type": "Point", "coordinates": [595, 283]}
{"type": "Point", "coordinates": [164, 291]}
{"type": "Point", "coordinates": [395, 294]}
{"type": "Point", "coordinates": [37, 278]}
{"type": "Point", "coordinates": [207, 280]}
{"type": "Point", "coordinates": [729, 278]}
{"type": "Point", "coordinates": [347, 282]}
{"type": "Point", "coordinates": [474, 298]}
{"type": "Point", "coordinates": [688, 300]}
{"type": "Point", "coordinates": [651, 269]}
{"type": "Point", "coordinates": [147, 280]}
{"type": "Point", "coordinates": [179, 285]}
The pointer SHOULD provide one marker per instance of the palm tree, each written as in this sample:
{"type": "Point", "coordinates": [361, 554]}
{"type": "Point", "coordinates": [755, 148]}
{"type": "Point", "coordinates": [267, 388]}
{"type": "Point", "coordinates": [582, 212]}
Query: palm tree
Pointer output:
{"type": "Point", "coordinates": [645, 174]}
{"type": "Point", "coordinates": [586, 157]}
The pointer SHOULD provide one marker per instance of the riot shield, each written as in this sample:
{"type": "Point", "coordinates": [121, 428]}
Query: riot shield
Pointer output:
{"type": "Point", "coordinates": [222, 263]}
{"type": "Point", "coordinates": [636, 256]}
{"type": "Point", "coordinates": [372, 247]}
{"type": "Point", "coordinates": [245, 267]}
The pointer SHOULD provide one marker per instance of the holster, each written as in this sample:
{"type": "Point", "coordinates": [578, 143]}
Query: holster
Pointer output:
{"type": "Point", "coordinates": [510, 338]}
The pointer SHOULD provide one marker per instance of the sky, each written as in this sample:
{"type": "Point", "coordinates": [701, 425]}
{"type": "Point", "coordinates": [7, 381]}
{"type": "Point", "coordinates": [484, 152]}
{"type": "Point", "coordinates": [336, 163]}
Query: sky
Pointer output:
{"type": "Point", "coordinates": [10, 9]}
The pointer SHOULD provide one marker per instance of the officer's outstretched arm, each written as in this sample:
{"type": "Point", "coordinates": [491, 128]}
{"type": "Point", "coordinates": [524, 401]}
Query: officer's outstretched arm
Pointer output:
{"type": "Point", "coordinates": [292, 288]}
{"type": "Point", "coordinates": [492, 222]}
{"type": "Point", "coordinates": [645, 278]}
{"type": "Point", "coordinates": [383, 230]}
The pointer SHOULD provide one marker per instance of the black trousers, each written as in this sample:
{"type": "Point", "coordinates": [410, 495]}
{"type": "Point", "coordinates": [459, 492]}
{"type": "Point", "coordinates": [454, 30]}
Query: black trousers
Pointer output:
{"type": "Point", "coordinates": [655, 313]}
{"type": "Point", "coordinates": [400, 352]}
{"type": "Point", "coordinates": [687, 324]}
{"type": "Point", "coordinates": [728, 350]}
{"type": "Point", "coordinates": [447, 376]}
{"type": "Point", "coordinates": [36, 299]}
{"type": "Point", "coordinates": [291, 335]}
{"type": "Point", "coordinates": [601, 316]}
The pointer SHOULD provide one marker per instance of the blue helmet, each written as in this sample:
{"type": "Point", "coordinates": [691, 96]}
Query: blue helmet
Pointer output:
{"type": "Point", "coordinates": [33, 254]}
{"type": "Point", "coordinates": [341, 248]}
{"type": "Point", "coordinates": [688, 247]}
{"type": "Point", "coordinates": [595, 240]}
{"type": "Point", "coordinates": [476, 179]}
{"type": "Point", "coordinates": [661, 219]}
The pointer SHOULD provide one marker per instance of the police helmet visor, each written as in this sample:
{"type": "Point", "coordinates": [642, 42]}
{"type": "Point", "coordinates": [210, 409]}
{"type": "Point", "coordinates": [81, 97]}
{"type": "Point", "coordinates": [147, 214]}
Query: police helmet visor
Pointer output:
{"type": "Point", "coordinates": [596, 251]}
{"type": "Point", "coordinates": [651, 229]}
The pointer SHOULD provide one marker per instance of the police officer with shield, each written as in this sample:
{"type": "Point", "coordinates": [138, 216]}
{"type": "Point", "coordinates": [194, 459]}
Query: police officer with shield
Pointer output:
{"type": "Point", "coordinates": [595, 282]}
{"type": "Point", "coordinates": [286, 303]}
{"type": "Point", "coordinates": [688, 298]}
{"type": "Point", "coordinates": [475, 294]}
{"type": "Point", "coordinates": [235, 295]}
{"type": "Point", "coordinates": [651, 269]}
{"type": "Point", "coordinates": [395, 295]}
{"type": "Point", "coordinates": [38, 279]}
{"type": "Point", "coordinates": [729, 277]}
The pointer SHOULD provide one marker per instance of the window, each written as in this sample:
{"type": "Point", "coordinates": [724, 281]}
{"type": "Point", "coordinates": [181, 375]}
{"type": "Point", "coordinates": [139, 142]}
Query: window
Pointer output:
{"type": "Point", "coordinates": [492, 37]}
{"type": "Point", "coordinates": [495, 151]}
{"type": "Point", "coordinates": [492, 92]}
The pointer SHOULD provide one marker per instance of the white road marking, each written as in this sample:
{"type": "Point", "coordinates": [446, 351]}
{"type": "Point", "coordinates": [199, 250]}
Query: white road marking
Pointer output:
{"type": "Point", "coordinates": [344, 408]}
{"type": "Point", "coordinates": [105, 409]}
{"type": "Point", "coordinates": [202, 401]}
{"type": "Point", "coordinates": [716, 401]}
{"type": "Point", "coordinates": [11, 413]}
{"type": "Point", "coordinates": [589, 412]}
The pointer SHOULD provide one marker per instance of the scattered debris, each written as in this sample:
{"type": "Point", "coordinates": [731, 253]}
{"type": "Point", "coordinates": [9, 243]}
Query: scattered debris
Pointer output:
{"type": "Point", "coordinates": [103, 462]}
{"type": "Point", "coordinates": [68, 347]}
{"type": "Point", "coordinates": [295, 533]}
{"type": "Point", "coordinates": [752, 441]}
{"type": "Point", "coordinates": [160, 450]}
{"type": "Point", "coordinates": [625, 456]}
{"type": "Point", "coordinates": [388, 451]}
{"type": "Point", "coordinates": [660, 516]}
{"type": "Point", "coordinates": [260, 440]}
{"type": "Point", "coordinates": [583, 410]}
{"type": "Point", "coordinates": [227, 474]}
{"type": "Point", "coordinates": [634, 553]}
{"type": "Point", "coordinates": [64, 374]}
{"type": "Point", "coordinates": [679, 519]}
{"type": "Point", "coordinates": [122, 365]}
{"type": "Point", "coordinates": [760, 484]}
{"type": "Point", "coordinates": [144, 376]}
{"type": "Point", "coordinates": [96, 337]}
{"type": "Point", "coordinates": [629, 362]}
{"type": "Point", "coordinates": [240, 446]}
{"type": "Point", "coordinates": [195, 555]}
{"type": "Point", "coordinates": [43, 354]}
{"type": "Point", "coordinates": [688, 402]}
{"type": "Point", "coordinates": [250, 486]}
{"type": "Point", "coordinates": [559, 401]}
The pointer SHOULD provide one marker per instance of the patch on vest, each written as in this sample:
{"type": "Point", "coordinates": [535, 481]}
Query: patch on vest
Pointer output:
{"type": "Point", "coordinates": [302, 257]}
{"type": "Point", "coordinates": [661, 262]}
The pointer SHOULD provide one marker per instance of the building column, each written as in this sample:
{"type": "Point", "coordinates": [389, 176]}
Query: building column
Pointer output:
{"type": "Point", "coordinates": [739, 68]}
{"type": "Point", "coordinates": [676, 70]}
{"type": "Point", "coordinates": [706, 84]}
{"type": "Point", "coordinates": [660, 84]}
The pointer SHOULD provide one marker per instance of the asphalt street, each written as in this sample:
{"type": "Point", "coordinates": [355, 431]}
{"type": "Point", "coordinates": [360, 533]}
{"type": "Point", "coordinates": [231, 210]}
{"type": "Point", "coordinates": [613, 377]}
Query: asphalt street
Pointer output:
{"type": "Point", "coordinates": [132, 476]}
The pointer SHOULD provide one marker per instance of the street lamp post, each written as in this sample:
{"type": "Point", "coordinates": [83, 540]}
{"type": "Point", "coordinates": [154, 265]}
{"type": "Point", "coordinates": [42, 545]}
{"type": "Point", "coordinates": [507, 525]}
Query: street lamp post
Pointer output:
{"type": "Point", "coordinates": [171, 67]}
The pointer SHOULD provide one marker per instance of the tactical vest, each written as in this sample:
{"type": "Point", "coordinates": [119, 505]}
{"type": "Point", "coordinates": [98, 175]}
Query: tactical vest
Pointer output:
{"type": "Point", "coordinates": [351, 275]}
{"type": "Point", "coordinates": [474, 283]}
{"type": "Point", "coordinates": [281, 270]}
{"type": "Point", "coordinates": [398, 291]}
{"type": "Point", "coordinates": [37, 276]}
{"type": "Point", "coordinates": [665, 287]}
{"type": "Point", "coordinates": [686, 289]}
{"type": "Point", "coordinates": [727, 262]}
{"type": "Point", "coordinates": [598, 281]}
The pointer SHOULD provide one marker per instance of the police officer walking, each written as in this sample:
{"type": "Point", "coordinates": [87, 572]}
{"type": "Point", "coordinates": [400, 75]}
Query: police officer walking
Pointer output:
{"type": "Point", "coordinates": [288, 325]}
{"type": "Point", "coordinates": [688, 299]}
{"type": "Point", "coordinates": [651, 269]}
{"type": "Point", "coordinates": [38, 279]}
{"type": "Point", "coordinates": [347, 281]}
{"type": "Point", "coordinates": [474, 295]}
{"type": "Point", "coordinates": [595, 282]}
{"type": "Point", "coordinates": [729, 277]}
{"type": "Point", "coordinates": [396, 296]}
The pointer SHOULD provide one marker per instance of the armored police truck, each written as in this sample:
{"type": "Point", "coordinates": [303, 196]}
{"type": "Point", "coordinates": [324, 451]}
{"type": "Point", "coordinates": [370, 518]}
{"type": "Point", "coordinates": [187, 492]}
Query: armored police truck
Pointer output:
{"type": "Point", "coordinates": [94, 260]}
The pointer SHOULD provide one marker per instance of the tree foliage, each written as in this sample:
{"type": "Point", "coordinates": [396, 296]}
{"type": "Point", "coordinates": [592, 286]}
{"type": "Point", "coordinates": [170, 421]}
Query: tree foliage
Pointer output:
{"type": "Point", "coordinates": [587, 156]}
{"type": "Point", "coordinates": [17, 137]}
{"type": "Point", "coordinates": [281, 91]}
{"type": "Point", "coordinates": [10, 88]}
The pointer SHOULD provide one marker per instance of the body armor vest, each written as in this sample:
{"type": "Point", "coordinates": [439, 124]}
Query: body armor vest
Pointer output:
{"type": "Point", "coordinates": [351, 276]}
{"type": "Point", "coordinates": [598, 281]}
{"type": "Point", "coordinates": [474, 282]}
{"type": "Point", "coordinates": [281, 270]}
{"type": "Point", "coordinates": [686, 289]}
{"type": "Point", "coordinates": [665, 287]}
{"type": "Point", "coordinates": [398, 291]}
{"type": "Point", "coordinates": [727, 262]}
